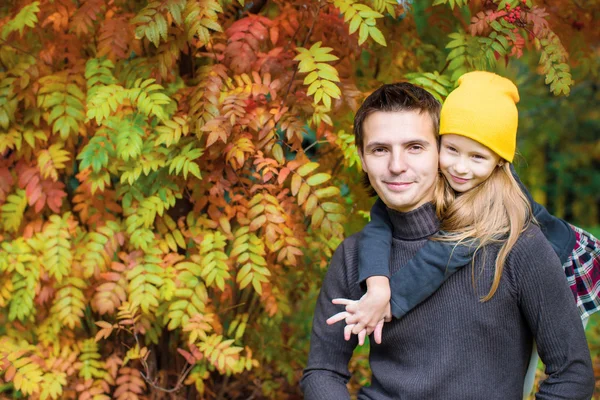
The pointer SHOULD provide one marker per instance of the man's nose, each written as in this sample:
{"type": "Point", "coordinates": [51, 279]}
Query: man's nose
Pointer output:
{"type": "Point", "coordinates": [397, 164]}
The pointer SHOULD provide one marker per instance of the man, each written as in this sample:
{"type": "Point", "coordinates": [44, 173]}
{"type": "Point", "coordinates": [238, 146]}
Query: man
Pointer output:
{"type": "Point", "coordinates": [452, 346]}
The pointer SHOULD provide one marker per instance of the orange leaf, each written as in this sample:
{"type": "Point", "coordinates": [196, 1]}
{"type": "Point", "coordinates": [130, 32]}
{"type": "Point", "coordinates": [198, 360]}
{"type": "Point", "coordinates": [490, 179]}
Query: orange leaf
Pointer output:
{"type": "Point", "coordinates": [276, 218]}
{"type": "Point", "coordinates": [105, 332]}
{"type": "Point", "coordinates": [296, 182]}
{"type": "Point", "coordinates": [283, 174]}
{"type": "Point", "coordinates": [224, 222]}
{"type": "Point", "coordinates": [303, 193]}
{"type": "Point", "coordinates": [258, 222]}
{"type": "Point", "coordinates": [311, 204]}
{"type": "Point", "coordinates": [10, 373]}
{"type": "Point", "coordinates": [188, 356]}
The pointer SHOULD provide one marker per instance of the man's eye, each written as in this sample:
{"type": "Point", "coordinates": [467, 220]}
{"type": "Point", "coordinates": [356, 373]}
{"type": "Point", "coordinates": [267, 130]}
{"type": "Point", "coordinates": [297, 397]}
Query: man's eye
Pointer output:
{"type": "Point", "coordinates": [378, 150]}
{"type": "Point", "coordinates": [416, 147]}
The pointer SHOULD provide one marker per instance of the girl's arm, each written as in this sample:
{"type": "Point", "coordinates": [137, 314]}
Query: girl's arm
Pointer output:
{"type": "Point", "coordinates": [420, 277]}
{"type": "Point", "coordinates": [373, 273]}
{"type": "Point", "coordinates": [375, 244]}
{"type": "Point", "coordinates": [412, 284]}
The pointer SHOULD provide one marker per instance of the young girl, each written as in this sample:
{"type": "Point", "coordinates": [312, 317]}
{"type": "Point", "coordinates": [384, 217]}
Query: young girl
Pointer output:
{"type": "Point", "coordinates": [477, 148]}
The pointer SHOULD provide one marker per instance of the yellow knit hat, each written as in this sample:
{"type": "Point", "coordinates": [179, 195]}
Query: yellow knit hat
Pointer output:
{"type": "Point", "coordinates": [483, 108]}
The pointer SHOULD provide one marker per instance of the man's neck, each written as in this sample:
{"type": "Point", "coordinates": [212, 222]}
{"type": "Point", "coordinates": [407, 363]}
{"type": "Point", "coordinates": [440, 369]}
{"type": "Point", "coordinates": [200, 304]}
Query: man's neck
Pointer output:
{"type": "Point", "coordinates": [415, 224]}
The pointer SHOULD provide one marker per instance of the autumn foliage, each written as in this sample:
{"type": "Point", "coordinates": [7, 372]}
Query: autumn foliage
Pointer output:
{"type": "Point", "coordinates": [175, 174]}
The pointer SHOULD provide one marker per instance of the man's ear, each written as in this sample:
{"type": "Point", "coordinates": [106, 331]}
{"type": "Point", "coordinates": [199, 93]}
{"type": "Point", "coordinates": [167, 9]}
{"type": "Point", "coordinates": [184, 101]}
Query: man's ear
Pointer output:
{"type": "Point", "coordinates": [362, 160]}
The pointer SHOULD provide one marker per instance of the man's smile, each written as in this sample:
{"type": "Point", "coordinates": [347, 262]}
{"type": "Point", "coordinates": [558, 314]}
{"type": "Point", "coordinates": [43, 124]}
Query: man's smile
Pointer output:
{"type": "Point", "coordinates": [398, 186]}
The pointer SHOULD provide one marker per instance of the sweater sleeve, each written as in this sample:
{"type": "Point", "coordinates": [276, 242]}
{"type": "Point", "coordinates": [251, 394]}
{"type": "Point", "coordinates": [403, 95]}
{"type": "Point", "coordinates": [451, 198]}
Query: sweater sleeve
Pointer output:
{"type": "Point", "coordinates": [375, 244]}
{"type": "Point", "coordinates": [547, 305]}
{"type": "Point", "coordinates": [327, 373]}
{"type": "Point", "coordinates": [557, 231]}
{"type": "Point", "coordinates": [420, 277]}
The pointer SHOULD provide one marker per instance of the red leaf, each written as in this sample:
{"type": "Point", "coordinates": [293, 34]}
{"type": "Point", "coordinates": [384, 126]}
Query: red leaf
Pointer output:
{"type": "Point", "coordinates": [283, 174]}
{"type": "Point", "coordinates": [188, 356]}
{"type": "Point", "coordinates": [6, 182]}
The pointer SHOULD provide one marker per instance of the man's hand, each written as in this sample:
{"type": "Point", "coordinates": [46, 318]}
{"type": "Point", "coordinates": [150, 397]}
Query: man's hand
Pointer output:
{"type": "Point", "coordinates": [368, 314]}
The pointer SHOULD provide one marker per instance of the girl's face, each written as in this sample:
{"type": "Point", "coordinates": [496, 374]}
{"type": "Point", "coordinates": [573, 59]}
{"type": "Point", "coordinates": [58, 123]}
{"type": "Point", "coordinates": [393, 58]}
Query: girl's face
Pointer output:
{"type": "Point", "coordinates": [466, 163]}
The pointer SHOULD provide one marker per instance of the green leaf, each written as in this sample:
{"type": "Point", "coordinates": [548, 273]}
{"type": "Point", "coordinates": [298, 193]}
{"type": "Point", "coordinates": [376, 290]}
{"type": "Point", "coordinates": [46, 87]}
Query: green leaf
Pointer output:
{"type": "Point", "coordinates": [377, 35]}
{"type": "Point", "coordinates": [363, 34]}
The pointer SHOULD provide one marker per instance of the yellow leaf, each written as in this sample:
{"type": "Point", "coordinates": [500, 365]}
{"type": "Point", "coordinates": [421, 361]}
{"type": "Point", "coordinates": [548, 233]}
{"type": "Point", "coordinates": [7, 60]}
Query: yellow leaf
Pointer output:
{"type": "Point", "coordinates": [331, 89]}
{"type": "Point", "coordinates": [313, 87]}
{"type": "Point", "coordinates": [336, 217]}
{"type": "Point", "coordinates": [258, 222]}
{"type": "Point", "coordinates": [303, 193]}
{"type": "Point", "coordinates": [318, 179]}
{"type": "Point", "coordinates": [277, 152]}
{"type": "Point", "coordinates": [310, 78]}
{"type": "Point", "coordinates": [327, 192]}
{"type": "Point", "coordinates": [225, 225]}
{"type": "Point", "coordinates": [307, 168]}
{"type": "Point", "coordinates": [377, 36]}
{"type": "Point", "coordinates": [354, 24]}
{"type": "Point", "coordinates": [255, 211]}
{"type": "Point", "coordinates": [318, 94]}
{"type": "Point", "coordinates": [333, 207]}
{"type": "Point", "coordinates": [311, 204]}
{"type": "Point", "coordinates": [363, 33]}
{"type": "Point", "coordinates": [296, 182]}
{"type": "Point", "coordinates": [317, 218]}
{"type": "Point", "coordinates": [328, 75]}
{"type": "Point", "coordinates": [326, 100]}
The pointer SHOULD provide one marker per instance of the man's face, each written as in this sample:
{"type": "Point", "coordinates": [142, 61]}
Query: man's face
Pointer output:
{"type": "Point", "coordinates": [400, 156]}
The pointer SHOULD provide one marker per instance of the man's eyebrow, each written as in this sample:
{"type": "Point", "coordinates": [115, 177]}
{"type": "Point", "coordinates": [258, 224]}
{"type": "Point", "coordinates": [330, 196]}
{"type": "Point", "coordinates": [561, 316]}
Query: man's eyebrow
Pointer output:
{"type": "Point", "coordinates": [375, 144]}
{"type": "Point", "coordinates": [422, 142]}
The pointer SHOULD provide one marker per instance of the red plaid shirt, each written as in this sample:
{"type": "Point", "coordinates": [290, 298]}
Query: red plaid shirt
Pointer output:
{"type": "Point", "coordinates": [583, 272]}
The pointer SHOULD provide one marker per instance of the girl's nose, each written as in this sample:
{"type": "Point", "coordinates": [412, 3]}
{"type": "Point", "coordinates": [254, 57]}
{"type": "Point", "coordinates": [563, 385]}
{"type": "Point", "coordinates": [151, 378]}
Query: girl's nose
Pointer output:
{"type": "Point", "coordinates": [461, 168]}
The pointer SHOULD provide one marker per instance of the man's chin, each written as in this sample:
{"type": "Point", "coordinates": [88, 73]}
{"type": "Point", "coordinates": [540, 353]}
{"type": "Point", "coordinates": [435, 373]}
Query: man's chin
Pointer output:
{"type": "Point", "coordinates": [397, 204]}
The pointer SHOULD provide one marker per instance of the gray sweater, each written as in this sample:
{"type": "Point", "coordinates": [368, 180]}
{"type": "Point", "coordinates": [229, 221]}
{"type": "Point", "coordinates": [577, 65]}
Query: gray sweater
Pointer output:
{"type": "Point", "coordinates": [452, 346]}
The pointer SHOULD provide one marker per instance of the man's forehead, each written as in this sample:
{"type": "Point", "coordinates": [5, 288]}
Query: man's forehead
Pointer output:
{"type": "Point", "coordinates": [399, 125]}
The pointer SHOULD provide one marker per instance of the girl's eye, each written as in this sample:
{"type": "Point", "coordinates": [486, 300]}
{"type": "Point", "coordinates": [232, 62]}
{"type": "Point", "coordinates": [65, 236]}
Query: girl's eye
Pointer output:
{"type": "Point", "coordinates": [450, 148]}
{"type": "Point", "coordinates": [478, 157]}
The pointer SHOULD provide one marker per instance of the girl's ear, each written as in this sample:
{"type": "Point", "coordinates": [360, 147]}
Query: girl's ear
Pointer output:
{"type": "Point", "coordinates": [501, 163]}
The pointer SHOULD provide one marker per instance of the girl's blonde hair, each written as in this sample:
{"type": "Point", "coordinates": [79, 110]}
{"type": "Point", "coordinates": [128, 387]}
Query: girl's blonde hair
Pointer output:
{"type": "Point", "coordinates": [497, 211]}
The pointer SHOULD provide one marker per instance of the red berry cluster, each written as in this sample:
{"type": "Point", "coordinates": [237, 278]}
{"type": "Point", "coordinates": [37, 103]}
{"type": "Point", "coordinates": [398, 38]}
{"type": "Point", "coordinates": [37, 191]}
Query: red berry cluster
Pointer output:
{"type": "Point", "coordinates": [514, 14]}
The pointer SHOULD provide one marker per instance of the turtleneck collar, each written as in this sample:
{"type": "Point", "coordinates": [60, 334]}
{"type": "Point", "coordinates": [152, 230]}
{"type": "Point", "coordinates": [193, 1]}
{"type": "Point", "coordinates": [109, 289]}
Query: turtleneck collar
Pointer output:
{"type": "Point", "coordinates": [416, 224]}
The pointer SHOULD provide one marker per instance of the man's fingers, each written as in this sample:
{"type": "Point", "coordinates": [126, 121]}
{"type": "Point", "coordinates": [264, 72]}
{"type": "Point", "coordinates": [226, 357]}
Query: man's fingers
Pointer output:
{"type": "Point", "coordinates": [343, 301]}
{"type": "Point", "coordinates": [337, 317]}
{"type": "Point", "coordinates": [377, 333]}
{"type": "Point", "coordinates": [361, 337]}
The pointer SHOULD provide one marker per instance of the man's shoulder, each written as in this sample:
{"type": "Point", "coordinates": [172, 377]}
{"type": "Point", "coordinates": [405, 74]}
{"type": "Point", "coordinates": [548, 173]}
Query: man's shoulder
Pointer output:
{"type": "Point", "coordinates": [531, 236]}
{"type": "Point", "coordinates": [349, 245]}
{"type": "Point", "coordinates": [352, 240]}
{"type": "Point", "coordinates": [348, 250]}
{"type": "Point", "coordinates": [533, 242]}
